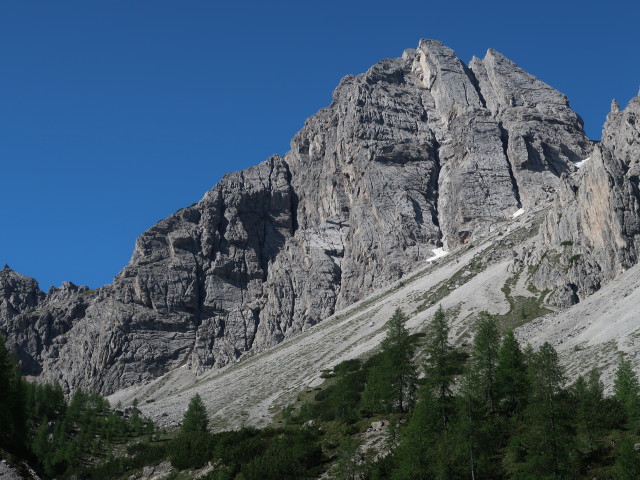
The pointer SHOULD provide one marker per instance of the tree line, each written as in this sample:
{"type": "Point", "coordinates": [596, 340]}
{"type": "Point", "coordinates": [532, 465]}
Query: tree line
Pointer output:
{"type": "Point", "coordinates": [493, 410]}
{"type": "Point", "coordinates": [60, 437]}
{"type": "Point", "coordinates": [497, 412]}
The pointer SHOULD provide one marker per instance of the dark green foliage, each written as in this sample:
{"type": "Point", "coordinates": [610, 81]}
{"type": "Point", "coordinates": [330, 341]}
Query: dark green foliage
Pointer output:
{"type": "Point", "coordinates": [347, 467]}
{"type": "Point", "coordinates": [287, 455]}
{"type": "Point", "coordinates": [417, 453]}
{"type": "Point", "coordinates": [61, 439]}
{"type": "Point", "coordinates": [574, 258]}
{"type": "Point", "coordinates": [383, 468]}
{"type": "Point", "coordinates": [256, 454]}
{"type": "Point", "coordinates": [138, 456]}
{"type": "Point", "coordinates": [443, 364]}
{"type": "Point", "coordinates": [588, 405]}
{"type": "Point", "coordinates": [74, 431]}
{"type": "Point", "coordinates": [13, 414]}
{"type": "Point", "coordinates": [340, 400]}
{"type": "Point", "coordinates": [391, 383]}
{"type": "Point", "coordinates": [191, 450]}
{"type": "Point", "coordinates": [626, 390]}
{"type": "Point", "coordinates": [484, 363]}
{"type": "Point", "coordinates": [511, 377]}
{"type": "Point", "coordinates": [195, 419]}
{"type": "Point", "coordinates": [547, 442]}
{"type": "Point", "coordinates": [627, 466]}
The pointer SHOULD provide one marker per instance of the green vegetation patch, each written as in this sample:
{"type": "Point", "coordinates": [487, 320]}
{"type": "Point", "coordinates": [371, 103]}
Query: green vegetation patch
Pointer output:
{"type": "Point", "coordinates": [521, 309]}
{"type": "Point", "coordinates": [444, 288]}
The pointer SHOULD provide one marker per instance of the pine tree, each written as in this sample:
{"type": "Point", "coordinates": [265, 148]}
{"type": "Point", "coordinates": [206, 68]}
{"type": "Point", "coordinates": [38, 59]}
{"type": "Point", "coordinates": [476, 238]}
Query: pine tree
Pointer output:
{"type": "Point", "coordinates": [348, 467]}
{"type": "Point", "coordinates": [627, 465]}
{"type": "Point", "coordinates": [40, 444]}
{"type": "Point", "coordinates": [626, 389]}
{"type": "Point", "coordinates": [13, 408]}
{"type": "Point", "coordinates": [195, 418]}
{"type": "Point", "coordinates": [391, 383]}
{"type": "Point", "coordinates": [467, 425]}
{"type": "Point", "coordinates": [474, 429]}
{"type": "Point", "coordinates": [5, 392]}
{"type": "Point", "coordinates": [548, 437]}
{"type": "Point", "coordinates": [485, 359]}
{"type": "Point", "coordinates": [376, 397]}
{"type": "Point", "coordinates": [418, 453]}
{"type": "Point", "coordinates": [440, 367]}
{"type": "Point", "coordinates": [511, 376]}
{"type": "Point", "coordinates": [589, 398]}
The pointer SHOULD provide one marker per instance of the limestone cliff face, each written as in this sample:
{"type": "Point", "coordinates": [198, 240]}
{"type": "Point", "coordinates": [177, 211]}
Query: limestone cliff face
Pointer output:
{"type": "Point", "coordinates": [417, 153]}
{"type": "Point", "coordinates": [592, 232]}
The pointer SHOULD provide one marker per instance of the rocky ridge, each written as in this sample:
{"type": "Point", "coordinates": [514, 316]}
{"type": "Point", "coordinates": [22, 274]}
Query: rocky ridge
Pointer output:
{"type": "Point", "coordinates": [592, 231]}
{"type": "Point", "coordinates": [417, 153]}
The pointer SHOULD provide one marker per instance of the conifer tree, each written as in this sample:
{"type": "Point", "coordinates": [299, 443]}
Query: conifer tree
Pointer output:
{"type": "Point", "coordinates": [627, 465]}
{"type": "Point", "coordinates": [511, 376]}
{"type": "Point", "coordinates": [474, 429]}
{"type": "Point", "coordinates": [5, 393]}
{"type": "Point", "coordinates": [485, 359]}
{"type": "Point", "coordinates": [589, 398]}
{"type": "Point", "coordinates": [40, 444]}
{"type": "Point", "coordinates": [391, 383]}
{"type": "Point", "coordinates": [417, 454]}
{"type": "Point", "coordinates": [195, 418]}
{"type": "Point", "coordinates": [626, 389]}
{"type": "Point", "coordinates": [348, 467]}
{"type": "Point", "coordinates": [440, 367]}
{"type": "Point", "coordinates": [12, 400]}
{"type": "Point", "coordinates": [467, 426]}
{"type": "Point", "coordinates": [548, 437]}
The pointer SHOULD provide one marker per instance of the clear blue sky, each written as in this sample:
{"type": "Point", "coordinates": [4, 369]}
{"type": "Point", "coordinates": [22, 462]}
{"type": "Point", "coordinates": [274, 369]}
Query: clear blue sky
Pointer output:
{"type": "Point", "coordinates": [116, 113]}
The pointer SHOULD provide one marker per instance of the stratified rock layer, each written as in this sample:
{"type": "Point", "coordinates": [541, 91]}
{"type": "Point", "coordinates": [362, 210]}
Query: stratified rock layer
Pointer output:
{"type": "Point", "coordinates": [417, 153]}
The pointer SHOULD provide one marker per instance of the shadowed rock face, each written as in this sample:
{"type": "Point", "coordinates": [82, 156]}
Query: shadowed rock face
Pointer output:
{"type": "Point", "coordinates": [417, 153]}
{"type": "Point", "coordinates": [592, 232]}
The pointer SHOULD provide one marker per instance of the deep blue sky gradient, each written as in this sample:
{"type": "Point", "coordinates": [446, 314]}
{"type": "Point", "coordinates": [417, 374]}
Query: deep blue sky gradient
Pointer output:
{"type": "Point", "coordinates": [116, 113]}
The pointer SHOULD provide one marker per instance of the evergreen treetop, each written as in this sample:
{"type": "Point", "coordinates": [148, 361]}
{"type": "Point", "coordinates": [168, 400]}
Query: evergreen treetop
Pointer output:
{"type": "Point", "coordinates": [195, 418]}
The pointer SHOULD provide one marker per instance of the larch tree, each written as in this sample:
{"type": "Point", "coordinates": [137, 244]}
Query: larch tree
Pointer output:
{"type": "Point", "coordinates": [391, 383]}
{"type": "Point", "coordinates": [440, 366]}
{"type": "Point", "coordinates": [195, 418]}
{"type": "Point", "coordinates": [511, 376]}
{"type": "Point", "coordinates": [484, 367]}
{"type": "Point", "coordinates": [626, 389]}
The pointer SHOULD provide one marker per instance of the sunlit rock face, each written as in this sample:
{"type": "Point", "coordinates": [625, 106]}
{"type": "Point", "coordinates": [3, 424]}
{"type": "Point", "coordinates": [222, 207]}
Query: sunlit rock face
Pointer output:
{"type": "Point", "coordinates": [592, 231]}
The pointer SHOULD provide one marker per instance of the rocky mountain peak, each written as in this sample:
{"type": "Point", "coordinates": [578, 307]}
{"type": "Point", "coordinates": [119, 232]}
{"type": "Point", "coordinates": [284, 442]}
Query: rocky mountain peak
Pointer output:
{"type": "Point", "coordinates": [418, 153]}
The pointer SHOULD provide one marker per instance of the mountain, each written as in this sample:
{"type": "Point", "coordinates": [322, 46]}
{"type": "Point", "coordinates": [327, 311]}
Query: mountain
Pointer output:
{"type": "Point", "coordinates": [592, 231]}
{"type": "Point", "coordinates": [420, 153]}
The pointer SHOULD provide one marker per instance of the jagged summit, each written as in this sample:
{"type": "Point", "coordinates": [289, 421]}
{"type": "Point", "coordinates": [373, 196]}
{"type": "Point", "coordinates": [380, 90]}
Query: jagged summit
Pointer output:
{"type": "Point", "coordinates": [592, 232]}
{"type": "Point", "coordinates": [418, 153]}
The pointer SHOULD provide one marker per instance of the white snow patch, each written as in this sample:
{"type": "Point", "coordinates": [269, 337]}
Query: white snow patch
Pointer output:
{"type": "Point", "coordinates": [581, 163]}
{"type": "Point", "coordinates": [437, 253]}
{"type": "Point", "coordinates": [518, 213]}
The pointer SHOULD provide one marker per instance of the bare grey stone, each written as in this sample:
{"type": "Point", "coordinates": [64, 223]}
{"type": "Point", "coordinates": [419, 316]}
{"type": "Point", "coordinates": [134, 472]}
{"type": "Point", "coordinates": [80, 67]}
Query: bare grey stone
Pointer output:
{"type": "Point", "coordinates": [592, 231]}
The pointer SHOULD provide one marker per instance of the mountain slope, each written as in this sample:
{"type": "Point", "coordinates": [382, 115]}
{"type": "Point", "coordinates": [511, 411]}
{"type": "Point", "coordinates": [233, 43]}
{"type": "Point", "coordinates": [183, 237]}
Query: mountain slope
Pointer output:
{"type": "Point", "coordinates": [471, 279]}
